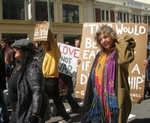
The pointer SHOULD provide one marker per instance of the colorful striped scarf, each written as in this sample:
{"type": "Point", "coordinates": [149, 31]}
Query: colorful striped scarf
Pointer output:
{"type": "Point", "coordinates": [104, 99]}
{"type": "Point", "coordinates": [109, 72]}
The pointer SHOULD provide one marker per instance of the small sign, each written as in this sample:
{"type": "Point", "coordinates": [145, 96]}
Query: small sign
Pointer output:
{"type": "Point", "coordinates": [41, 32]}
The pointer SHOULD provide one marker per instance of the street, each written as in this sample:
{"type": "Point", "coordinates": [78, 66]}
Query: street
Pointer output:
{"type": "Point", "coordinates": [140, 113]}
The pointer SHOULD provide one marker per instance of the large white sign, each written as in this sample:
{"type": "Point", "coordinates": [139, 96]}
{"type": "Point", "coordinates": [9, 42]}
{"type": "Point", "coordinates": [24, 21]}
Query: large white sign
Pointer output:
{"type": "Point", "coordinates": [68, 61]}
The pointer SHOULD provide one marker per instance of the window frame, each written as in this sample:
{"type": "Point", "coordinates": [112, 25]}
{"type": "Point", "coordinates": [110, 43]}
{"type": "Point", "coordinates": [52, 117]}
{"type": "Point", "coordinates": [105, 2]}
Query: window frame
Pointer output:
{"type": "Point", "coordinates": [136, 18]}
{"type": "Point", "coordinates": [8, 10]}
{"type": "Point", "coordinates": [77, 14]}
{"type": "Point", "coordinates": [104, 15]}
{"type": "Point", "coordinates": [44, 14]}
{"type": "Point", "coordinates": [122, 16]}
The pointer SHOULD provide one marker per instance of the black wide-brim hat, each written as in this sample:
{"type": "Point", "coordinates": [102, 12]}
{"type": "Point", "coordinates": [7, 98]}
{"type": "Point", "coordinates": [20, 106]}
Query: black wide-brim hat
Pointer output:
{"type": "Point", "coordinates": [23, 44]}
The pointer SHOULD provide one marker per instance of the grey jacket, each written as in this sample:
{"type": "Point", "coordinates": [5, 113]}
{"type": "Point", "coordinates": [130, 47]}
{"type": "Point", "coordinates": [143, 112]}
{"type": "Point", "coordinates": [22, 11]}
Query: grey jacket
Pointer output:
{"type": "Point", "coordinates": [31, 94]}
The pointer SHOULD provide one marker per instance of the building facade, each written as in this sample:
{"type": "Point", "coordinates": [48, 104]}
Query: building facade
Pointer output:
{"type": "Point", "coordinates": [126, 11]}
{"type": "Point", "coordinates": [19, 17]}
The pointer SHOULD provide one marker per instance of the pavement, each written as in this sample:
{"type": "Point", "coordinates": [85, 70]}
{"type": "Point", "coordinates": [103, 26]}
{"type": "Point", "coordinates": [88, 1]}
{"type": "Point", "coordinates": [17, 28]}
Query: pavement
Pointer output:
{"type": "Point", "coordinates": [76, 116]}
{"type": "Point", "coordinates": [140, 113]}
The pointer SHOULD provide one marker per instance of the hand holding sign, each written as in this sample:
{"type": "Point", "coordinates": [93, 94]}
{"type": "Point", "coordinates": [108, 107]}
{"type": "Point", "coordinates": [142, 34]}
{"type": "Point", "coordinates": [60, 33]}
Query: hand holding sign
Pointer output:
{"type": "Point", "coordinates": [41, 32]}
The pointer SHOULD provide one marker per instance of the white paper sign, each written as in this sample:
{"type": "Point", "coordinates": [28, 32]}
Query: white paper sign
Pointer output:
{"type": "Point", "coordinates": [68, 61]}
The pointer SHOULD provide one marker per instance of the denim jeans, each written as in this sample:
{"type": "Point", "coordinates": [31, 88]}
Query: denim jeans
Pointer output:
{"type": "Point", "coordinates": [3, 110]}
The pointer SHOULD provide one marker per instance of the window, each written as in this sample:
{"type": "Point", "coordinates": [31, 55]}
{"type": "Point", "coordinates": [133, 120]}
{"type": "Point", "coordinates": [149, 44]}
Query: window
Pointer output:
{"type": "Point", "coordinates": [135, 18]}
{"type": "Point", "coordinates": [41, 11]}
{"type": "Point", "coordinates": [70, 13]}
{"type": "Point", "coordinates": [13, 9]}
{"type": "Point", "coordinates": [105, 15]}
{"type": "Point", "coordinates": [122, 17]}
{"type": "Point", "coordinates": [147, 20]}
{"type": "Point", "coordinates": [71, 39]}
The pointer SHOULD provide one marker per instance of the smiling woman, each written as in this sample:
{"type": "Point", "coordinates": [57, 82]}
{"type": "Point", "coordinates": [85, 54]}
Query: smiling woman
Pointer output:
{"type": "Point", "coordinates": [107, 96]}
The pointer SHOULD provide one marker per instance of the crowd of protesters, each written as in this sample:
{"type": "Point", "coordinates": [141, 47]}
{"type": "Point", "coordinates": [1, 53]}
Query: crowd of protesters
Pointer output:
{"type": "Point", "coordinates": [30, 77]}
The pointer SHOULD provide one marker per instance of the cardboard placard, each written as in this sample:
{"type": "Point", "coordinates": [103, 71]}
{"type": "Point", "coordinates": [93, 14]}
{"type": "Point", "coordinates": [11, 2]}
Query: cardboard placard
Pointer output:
{"type": "Point", "coordinates": [68, 61]}
{"type": "Point", "coordinates": [41, 32]}
{"type": "Point", "coordinates": [89, 49]}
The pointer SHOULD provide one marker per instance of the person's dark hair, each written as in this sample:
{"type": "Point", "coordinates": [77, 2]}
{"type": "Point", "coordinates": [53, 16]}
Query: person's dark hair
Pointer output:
{"type": "Point", "coordinates": [26, 57]}
{"type": "Point", "coordinates": [78, 38]}
{"type": "Point", "coordinates": [7, 41]}
{"type": "Point", "coordinates": [105, 30]}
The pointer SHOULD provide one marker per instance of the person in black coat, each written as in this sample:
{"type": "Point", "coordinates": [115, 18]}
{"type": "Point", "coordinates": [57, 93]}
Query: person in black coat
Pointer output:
{"type": "Point", "coordinates": [27, 96]}
{"type": "Point", "coordinates": [3, 109]}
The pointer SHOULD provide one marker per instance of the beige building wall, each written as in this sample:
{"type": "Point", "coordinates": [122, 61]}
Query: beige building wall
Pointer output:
{"type": "Point", "coordinates": [86, 14]}
{"type": "Point", "coordinates": [58, 27]}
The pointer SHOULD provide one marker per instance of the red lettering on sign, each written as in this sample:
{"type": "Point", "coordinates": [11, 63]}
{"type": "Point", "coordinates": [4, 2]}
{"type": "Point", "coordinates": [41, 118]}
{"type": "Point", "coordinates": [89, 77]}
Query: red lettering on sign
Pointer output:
{"type": "Point", "coordinates": [68, 50]}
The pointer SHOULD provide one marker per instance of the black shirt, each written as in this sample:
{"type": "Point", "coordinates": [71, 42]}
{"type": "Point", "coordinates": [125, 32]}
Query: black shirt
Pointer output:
{"type": "Point", "coordinates": [12, 86]}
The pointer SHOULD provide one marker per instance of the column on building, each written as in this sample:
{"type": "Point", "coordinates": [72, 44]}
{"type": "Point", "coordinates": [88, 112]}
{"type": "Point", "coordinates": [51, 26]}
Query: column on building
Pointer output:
{"type": "Point", "coordinates": [116, 15]}
{"type": "Point", "coordinates": [89, 12]}
{"type": "Point", "coordinates": [82, 12]}
{"type": "Point", "coordinates": [143, 20]}
{"type": "Point", "coordinates": [60, 38]}
{"type": "Point", "coordinates": [130, 17]}
{"type": "Point", "coordinates": [58, 11]}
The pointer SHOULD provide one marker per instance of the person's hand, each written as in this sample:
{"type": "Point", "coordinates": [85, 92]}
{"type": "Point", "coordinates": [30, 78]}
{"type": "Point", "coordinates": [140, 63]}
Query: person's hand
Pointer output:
{"type": "Point", "coordinates": [78, 61]}
{"type": "Point", "coordinates": [33, 119]}
{"type": "Point", "coordinates": [145, 62]}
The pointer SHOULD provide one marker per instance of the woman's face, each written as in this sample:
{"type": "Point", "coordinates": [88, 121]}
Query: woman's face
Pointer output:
{"type": "Point", "coordinates": [106, 41]}
{"type": "Point", "coordinates": [17, 53]}
{"type": "Point", "coordinates": [77, 43]}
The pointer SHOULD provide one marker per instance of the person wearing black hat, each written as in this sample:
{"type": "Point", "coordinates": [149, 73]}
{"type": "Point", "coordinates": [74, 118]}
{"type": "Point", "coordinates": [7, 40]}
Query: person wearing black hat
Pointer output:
{"type": "Point", "coordinates": [28, 100]}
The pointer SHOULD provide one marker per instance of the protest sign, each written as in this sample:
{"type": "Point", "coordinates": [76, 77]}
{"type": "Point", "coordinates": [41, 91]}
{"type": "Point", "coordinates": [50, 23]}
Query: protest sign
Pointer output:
{"type": "Point", "coordinates": [68, 61]}
{"type": "Point", "coordinates": [89, 50]}
{"type": "Point", "coordinates": [41, 32]}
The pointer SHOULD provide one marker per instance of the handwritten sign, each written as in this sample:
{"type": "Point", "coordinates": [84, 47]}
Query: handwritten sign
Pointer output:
{"type": "Point", "coordinates": [68, 61]}
{"type": "Point", "coordinates": [89, 50]}
{"type": "Point", "coordinates": [41, 32]}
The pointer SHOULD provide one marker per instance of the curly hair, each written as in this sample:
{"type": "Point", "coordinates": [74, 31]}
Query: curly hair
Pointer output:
{"type": "Point", "coordinates": [105, 30]}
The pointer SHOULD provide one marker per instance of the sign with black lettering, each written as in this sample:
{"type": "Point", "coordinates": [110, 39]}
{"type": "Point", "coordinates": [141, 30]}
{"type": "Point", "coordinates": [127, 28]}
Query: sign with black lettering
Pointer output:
{"type": "Point", "coordinates": [88, 51]}
{"type": "Point", "coordinates": [41, 32]}
{"type": "Point", "coordinates": [68, 61]}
